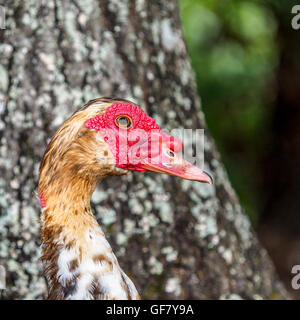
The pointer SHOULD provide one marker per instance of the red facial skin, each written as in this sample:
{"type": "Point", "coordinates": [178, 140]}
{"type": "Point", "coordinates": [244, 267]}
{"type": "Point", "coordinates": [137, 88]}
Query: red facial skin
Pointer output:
{"type": "Point", "coordinates": [42, 200]}
{"type": "Point", "coordinates": [143, 146]}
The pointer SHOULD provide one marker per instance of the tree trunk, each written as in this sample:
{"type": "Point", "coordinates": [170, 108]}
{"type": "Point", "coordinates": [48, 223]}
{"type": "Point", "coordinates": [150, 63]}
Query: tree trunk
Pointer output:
{"type": "Point", "coordinates": [176, 239]}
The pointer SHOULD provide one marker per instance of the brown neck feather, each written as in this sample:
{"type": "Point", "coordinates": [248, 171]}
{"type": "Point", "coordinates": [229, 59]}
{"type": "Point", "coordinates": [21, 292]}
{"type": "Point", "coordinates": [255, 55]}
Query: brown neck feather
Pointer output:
{"type": "Point", "coordinates": [65, 219]}
{"type": "Point", "coordinates": [69, 174]}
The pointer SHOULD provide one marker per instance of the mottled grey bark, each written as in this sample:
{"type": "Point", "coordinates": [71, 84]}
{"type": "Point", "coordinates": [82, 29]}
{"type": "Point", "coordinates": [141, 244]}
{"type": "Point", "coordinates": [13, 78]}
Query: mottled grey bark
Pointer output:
{"type": "Point", "coordinates": [176, 239]}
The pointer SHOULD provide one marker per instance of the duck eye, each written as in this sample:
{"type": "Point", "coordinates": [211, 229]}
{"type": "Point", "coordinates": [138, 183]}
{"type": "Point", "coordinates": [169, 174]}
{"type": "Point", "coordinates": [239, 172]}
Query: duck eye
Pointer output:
{"type": "Point", "coordinates": [124, 122]}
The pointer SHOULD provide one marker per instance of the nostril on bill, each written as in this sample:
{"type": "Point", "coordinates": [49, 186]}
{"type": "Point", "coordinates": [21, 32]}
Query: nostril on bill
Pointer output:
{"type": "Point", "coordinates": [171, 154]}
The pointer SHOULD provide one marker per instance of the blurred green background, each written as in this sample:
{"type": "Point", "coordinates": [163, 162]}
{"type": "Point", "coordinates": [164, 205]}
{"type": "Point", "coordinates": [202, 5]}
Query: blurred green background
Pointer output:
{"type": "Point", "coordinates": [234, 54]}
{"type": "Point", "coordinates": [245, 55]}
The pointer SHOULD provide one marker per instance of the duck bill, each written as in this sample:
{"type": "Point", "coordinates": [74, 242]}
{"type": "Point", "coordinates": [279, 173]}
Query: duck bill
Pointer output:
{"type": "Point", "coordinates": [178, 167]}
{"type": "Point", "coordinates": [189, 172]}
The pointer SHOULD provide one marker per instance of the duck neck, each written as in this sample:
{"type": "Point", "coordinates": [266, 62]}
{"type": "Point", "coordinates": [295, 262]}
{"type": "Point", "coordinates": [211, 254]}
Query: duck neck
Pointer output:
{"type": "Point", "coordinates": [79, 262]}
{"type": "Point", "coordinates": [66, 214]}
